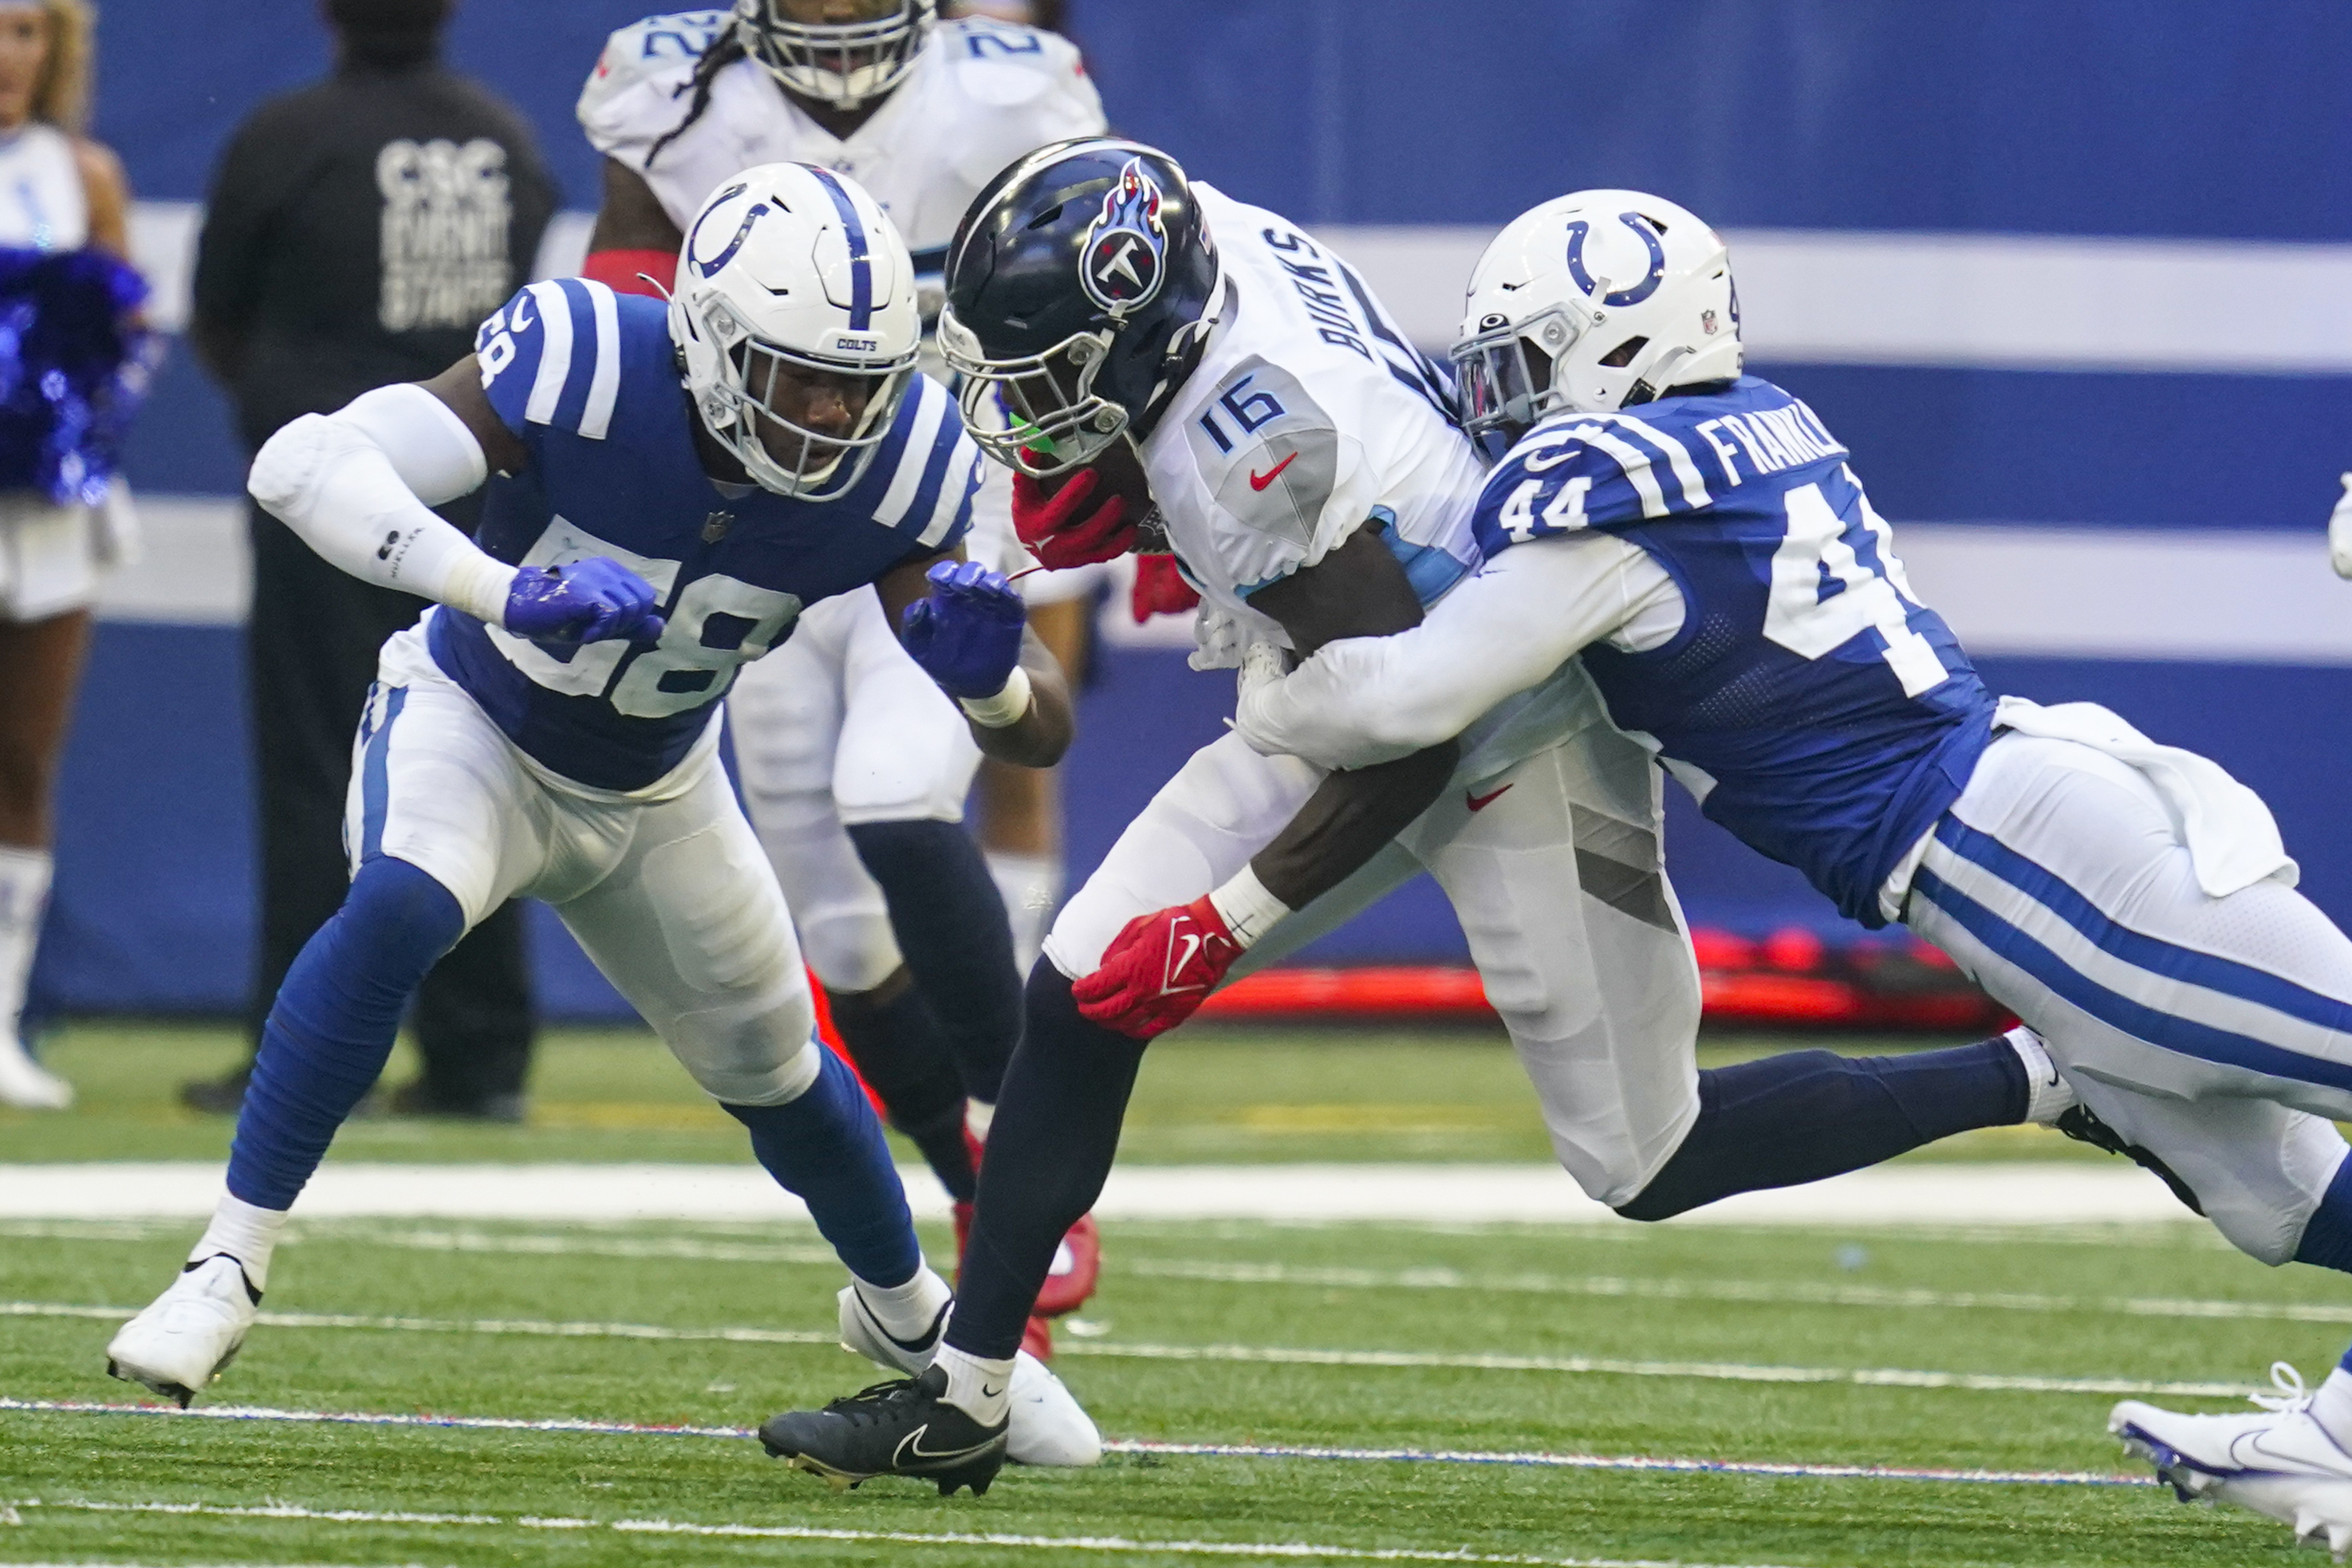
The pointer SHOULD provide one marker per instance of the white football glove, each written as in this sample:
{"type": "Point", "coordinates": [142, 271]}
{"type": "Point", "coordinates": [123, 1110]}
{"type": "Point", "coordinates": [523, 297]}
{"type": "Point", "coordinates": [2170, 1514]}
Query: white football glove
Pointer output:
{"type": "Point", "coordinates": [1216, 638]}
{"type": "Point", "coordinates": [2339, 532]}
{"type": "Point", "coordinates": [1263, 668]}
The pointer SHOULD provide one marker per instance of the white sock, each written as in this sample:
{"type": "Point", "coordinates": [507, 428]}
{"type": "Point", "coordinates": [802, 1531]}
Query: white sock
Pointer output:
{"type": "Point", "coordinates": [2331, 1405]}
{"type": "Point", "coordinates": [906, 1312]}
{"type": "Point", "coordinates": [2052, 1096]}
{"type": "Point", "coordinates": [245, 1232]}
{"type": "Point", "coordinates": [979, 1116]}
{"type": "Point", "coordinates": [1031, 886]}
{"type": "Point", "coordinates": [981, 1389]}
{"type": "Point", "coordinates": [24, 894]}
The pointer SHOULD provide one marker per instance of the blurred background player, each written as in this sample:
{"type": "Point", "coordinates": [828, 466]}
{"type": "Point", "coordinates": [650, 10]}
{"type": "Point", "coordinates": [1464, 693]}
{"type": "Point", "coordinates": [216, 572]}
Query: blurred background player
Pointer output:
{"type": "Point", "coordinates": [358, 232]}
{"type": "Point", "coordinates": [854, 765]}
{"type": "Point", "coordinates": [59, 193]}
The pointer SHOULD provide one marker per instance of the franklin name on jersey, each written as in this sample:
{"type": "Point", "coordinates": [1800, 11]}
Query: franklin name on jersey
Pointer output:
{"type": "Point", "coordinates": [1812, 705]}
{"type": "Point", "coordinates": [589, 381]}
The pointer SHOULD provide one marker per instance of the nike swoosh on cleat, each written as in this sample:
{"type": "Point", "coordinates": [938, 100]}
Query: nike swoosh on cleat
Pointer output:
{"type": "Point", "coordinates": [1259, 481]}
{"type": "Point", "coordinates": [1481, 802]}
{"type": "Point", "coordinates": [910, 1448]}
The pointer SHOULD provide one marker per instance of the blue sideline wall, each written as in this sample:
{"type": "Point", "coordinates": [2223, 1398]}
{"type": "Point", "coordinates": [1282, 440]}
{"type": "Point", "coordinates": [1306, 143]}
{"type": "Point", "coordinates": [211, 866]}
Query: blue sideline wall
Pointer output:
{"type": "Point", "coordinates": [2168, 124]}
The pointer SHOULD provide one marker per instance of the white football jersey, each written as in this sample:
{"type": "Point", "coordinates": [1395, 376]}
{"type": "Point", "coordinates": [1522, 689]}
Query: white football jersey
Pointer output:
{"type": "Point", "coordinates": [982, 94]}
{"type": "Point", "coordinates": [1308, 414]}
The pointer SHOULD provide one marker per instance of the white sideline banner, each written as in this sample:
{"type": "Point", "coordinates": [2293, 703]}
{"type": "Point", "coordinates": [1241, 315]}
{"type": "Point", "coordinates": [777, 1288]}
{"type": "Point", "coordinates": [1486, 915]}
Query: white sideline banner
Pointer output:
{"type": "Point", "coordinates": [1966, 1194]}
{"type": "Point", "coordinates": [2006, 302]}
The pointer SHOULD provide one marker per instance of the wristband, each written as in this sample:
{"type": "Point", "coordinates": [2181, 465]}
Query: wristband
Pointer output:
{"type": "Point", "coordinates": [478, 584]}
{"type": "Point", "coordinates": [1248, 910]}
{"type": "Point", "coordinates": [1006, 707]}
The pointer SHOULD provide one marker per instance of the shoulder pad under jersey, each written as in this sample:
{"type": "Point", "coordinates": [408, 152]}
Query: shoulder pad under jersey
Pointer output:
{"type": "Point", "coordinates": [1588, 471]}
{"type": "Point", "coordinates": [1274, 461]}
{"type": "Point", "coordinates": [1020, 89]}
{"type": "Point", "coordinates": [634, 95]}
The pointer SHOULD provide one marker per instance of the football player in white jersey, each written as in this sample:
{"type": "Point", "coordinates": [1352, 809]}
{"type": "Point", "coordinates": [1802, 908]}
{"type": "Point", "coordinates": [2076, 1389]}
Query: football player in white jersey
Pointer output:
{"type": "Point", "coordinates": [668, 488]}
{"type": "Point", "coordinates": [1701, 539]}
{"type": "Point", "coordinates": [853, 765]}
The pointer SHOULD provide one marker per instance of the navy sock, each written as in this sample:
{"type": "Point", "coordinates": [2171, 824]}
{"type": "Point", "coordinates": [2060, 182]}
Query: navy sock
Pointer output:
{"type": "Point", "coordinates": [901, 1054]}
{"type": "Point", "coordinates": [2328, 1234]}
{"type": "Point", "coordinates": [331, 1028]}
{"type": "Point", "coordinates": [1055, 1132]}
{"type": "Point", "coordinates": [950, 923]}
{"type": "Point", "coordinates": [1797, 1118]}
{"type": "Point", "coordinates": [826, 1148]}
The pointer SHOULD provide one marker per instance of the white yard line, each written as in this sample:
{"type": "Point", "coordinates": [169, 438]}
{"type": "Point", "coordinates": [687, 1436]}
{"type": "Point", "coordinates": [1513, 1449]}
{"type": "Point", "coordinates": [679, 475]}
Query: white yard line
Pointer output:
{"type": "Point", "coordinates": [1536, 1460]}
{"type": "Point", "coordinates": [1908, 1195]}
{"type": "Point", "coordinates": [1103, 1544]}
{"type": "Point", "coordinates": [1252, 1355]}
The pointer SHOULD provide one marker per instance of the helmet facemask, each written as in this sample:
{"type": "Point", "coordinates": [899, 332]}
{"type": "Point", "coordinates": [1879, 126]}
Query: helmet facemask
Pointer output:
{"type": "Point", "coordinates": [1506, 373]}
{"type": "Point", "coordinates": [844, 64]}
{"type": "Point", "coordinates": [1041, 414]}
{"type": "Point", "coordinates": [750, 409]}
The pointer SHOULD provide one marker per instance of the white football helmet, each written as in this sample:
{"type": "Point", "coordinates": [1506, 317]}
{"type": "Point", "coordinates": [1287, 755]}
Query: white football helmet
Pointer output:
{"type": "Point", "coordinates": [789, 272]}
{"type": "Point", "coordinates": [844, 64]}
{"type": "Point", "coordinates": [1593, 301]}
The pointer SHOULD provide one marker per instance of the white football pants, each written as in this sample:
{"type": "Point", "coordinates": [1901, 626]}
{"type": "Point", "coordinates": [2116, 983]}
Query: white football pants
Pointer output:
{"type": "Point", "coordinates": [2215, 1033]}
{"type": "Point", "coordinates": [1553, 867]}
{"type": "Point", "coordinates": [665, 887]}
{"type": "Point", "coordinates": [840, 726]}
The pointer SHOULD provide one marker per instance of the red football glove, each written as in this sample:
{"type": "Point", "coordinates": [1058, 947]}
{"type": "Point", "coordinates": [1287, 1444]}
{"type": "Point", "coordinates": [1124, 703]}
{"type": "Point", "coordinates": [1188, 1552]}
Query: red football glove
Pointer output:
{"type": "Point", "coordinates": [1157, 970]}
{"type": "Point", "coordinates": [1160, 589]}
{"type": "Point", "coordinates": [1061, 530]}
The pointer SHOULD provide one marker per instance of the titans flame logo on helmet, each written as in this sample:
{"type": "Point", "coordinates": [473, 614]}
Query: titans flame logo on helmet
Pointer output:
{"type": "Point", "coordinates": [1125, 251]}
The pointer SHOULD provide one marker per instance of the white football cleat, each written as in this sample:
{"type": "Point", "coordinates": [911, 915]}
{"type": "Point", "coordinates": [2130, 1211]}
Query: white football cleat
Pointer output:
{"type": "Point", "coordinates": [27, 1084]}
{"type": "Point", "coordinates": [2281, 1462]}
{"type": "Point", "coordinates": [188, 1333]}
{"type": "Point", "coordinates": [1048, 1427]}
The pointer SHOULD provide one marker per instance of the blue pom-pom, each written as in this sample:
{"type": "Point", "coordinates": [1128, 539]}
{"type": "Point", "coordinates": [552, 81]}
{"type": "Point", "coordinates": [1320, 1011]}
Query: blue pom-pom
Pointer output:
{"type": "Point", "coordinates": [73, 369]}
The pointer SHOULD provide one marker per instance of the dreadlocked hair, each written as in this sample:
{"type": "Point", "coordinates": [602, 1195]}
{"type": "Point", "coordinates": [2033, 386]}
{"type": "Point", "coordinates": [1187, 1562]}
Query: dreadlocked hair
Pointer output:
{"type": "Point", "coordinates": [724, 51]}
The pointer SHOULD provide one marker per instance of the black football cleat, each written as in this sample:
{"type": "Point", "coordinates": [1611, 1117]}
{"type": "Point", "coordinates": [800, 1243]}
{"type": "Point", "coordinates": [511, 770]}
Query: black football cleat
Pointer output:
{"type": "Point", "coordinates": [905, 1427]}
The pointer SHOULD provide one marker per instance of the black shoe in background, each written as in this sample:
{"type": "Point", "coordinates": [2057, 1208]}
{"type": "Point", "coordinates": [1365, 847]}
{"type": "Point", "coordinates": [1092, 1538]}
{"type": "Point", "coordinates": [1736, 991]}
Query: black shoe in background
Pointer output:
{"type": "Point", "coordinates": [418, 1099]}
{"type": "Point", "coordinates": [222, 1096]}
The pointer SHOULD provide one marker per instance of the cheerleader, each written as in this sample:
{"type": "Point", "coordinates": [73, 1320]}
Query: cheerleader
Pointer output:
{"type": "Point", "coordinates": [65, 343]}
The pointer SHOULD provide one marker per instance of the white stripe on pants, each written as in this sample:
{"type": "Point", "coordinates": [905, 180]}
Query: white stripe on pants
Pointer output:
{"type": "Point", "coordinates": [2216, 1033]}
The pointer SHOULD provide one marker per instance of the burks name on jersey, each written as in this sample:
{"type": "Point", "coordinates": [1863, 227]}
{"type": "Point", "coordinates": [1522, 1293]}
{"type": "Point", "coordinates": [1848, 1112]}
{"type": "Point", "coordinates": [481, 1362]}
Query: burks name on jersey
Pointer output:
{"type": "Point", "coordinates": [588, 381]}
{"type": "Point", "coordinates": [1812, 705]}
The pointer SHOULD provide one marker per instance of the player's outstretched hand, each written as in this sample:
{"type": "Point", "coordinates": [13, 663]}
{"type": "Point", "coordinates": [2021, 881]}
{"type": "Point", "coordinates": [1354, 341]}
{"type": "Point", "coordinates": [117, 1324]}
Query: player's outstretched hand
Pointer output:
{"type": "Point", "coordinates": [1159, 970]}
{"type": "Point", "coordinates": [1073, 525]}
{"type": "Point", "coordinates": [1160, 589]}
{"type": "Point", "coordinates": [966, 632]}
{"type": "Point", "coordinates": [583, 600]}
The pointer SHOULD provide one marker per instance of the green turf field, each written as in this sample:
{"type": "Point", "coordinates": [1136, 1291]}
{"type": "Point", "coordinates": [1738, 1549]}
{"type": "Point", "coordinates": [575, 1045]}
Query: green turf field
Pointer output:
{"type": "Point", "coordinates": [1980, 1350]}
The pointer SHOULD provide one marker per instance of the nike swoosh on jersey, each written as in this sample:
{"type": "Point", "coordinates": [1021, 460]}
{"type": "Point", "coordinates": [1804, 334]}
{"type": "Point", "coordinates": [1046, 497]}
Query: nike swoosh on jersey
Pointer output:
{"type": "Point", "coordinates": [1481, 802]}
{"type": "Point", "coordinates": [910, 1447]}
{"type": "Point", "coordinates": [1259, 481]}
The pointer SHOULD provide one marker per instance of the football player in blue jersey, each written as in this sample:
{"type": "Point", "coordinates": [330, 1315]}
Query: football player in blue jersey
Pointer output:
{"type": "Point", "coordinates": [1698, 536]}
{"type": "Point", "coordinates": [673, 484]}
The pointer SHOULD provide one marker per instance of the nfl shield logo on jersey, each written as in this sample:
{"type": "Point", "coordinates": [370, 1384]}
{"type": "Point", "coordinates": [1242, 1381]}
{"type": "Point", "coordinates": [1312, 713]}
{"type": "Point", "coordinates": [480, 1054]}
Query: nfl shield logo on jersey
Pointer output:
{"type": "Point", "coordinates": [1127, 249]}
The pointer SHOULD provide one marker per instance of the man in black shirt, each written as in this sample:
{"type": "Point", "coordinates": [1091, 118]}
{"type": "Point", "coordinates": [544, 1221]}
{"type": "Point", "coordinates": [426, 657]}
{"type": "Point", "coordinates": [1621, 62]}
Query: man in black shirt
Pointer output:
{"type": "Point", "coordinates": [357, 232]}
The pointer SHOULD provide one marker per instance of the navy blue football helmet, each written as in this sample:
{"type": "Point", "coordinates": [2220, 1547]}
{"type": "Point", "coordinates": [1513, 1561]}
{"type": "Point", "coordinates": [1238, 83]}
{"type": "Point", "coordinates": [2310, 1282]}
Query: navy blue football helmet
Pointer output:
{"type": "Point", "coordinates": [1078, 287]}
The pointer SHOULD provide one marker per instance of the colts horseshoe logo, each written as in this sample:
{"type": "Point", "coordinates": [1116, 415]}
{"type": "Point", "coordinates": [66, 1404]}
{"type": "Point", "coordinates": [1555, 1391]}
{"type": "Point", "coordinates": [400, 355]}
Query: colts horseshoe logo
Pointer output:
{"type": "Point", "coordinates": [1618, 299]}
{"type": "Point", "coordinates": [1125, 251]}
{"type": "Point", "coordinates": [707, 268]}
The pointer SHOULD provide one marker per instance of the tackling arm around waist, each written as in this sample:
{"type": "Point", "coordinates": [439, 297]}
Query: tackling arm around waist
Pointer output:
{"type": "Point", "coordinates": [359, 485]}
{"type": "Point", "coordinates": [1362, 701]}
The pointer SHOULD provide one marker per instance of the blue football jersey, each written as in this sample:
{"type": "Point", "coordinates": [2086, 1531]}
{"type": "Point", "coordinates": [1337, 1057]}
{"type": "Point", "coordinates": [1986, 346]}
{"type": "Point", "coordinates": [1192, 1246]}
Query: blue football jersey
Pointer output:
{"type": "Point", "coordinates": [1812, 705]}
{"type": "Point", "coordinates": [589, 380]}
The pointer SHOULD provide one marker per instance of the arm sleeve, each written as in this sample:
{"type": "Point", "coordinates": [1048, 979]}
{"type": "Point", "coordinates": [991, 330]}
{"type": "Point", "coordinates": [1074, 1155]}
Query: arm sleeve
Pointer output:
{"type": "Point", "coordinates": [355, 485]}
{"type": "Point", "coordinates": [1362, 701]}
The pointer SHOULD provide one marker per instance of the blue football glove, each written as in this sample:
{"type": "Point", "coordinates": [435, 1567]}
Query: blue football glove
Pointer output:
{"type": "Point", "coordinates": [584, 602]}
{"type": "Point", "coordinates": [966, 633]}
